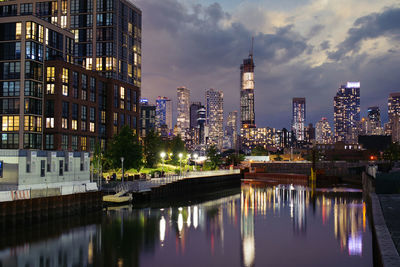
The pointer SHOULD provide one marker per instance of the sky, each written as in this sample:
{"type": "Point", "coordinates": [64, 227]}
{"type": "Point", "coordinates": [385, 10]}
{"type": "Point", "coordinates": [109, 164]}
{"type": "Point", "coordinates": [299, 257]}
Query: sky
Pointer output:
{"type": "Point", "coordinates": [302, 48]}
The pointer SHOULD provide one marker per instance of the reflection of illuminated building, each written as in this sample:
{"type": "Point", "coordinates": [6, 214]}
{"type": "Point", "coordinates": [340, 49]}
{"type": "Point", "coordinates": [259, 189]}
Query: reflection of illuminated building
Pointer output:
{"type": "Point", "coordinates": [248, 249]}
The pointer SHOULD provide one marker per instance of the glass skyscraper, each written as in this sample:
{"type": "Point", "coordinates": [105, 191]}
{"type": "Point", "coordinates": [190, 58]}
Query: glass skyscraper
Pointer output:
{"type": "Point", "coordinates": [347, 112]}
{"type": "Point", "coordinates": [298, 117]}
{"type": "Point", "coordinates": [247, 114]}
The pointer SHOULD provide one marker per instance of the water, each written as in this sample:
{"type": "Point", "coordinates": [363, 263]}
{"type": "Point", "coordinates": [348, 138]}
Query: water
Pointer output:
{"type": "Point", "coordinates": [259, 225]}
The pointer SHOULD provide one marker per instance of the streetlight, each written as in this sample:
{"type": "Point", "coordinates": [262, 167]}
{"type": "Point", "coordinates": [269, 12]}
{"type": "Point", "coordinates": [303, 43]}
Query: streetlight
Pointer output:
{"type": "Point", "coordinates": [122, 161]}
{"type": "Point", "coordinates": [162, 158]}
{"type": "Point", "coordinates": [180, 162]}
{"type": "Point", "coordinates": [195, 160]}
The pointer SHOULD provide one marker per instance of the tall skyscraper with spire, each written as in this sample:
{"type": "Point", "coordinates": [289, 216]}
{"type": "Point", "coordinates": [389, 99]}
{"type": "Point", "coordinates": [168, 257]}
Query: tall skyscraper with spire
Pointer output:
{"type": "Point", "coordinates": [298, 117]}
{"type": "Point", "coordinates": [247, 114]}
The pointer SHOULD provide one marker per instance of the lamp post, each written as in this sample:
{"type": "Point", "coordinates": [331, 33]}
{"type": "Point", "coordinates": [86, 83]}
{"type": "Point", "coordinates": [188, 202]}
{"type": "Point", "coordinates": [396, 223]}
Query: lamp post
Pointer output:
{"type": "Point", "coordinates": [195, 160]}
{"type": "Point", "coordinates": [162, 159]}
{"type": "Point", "coordinates": [180, 163]}
{"type": "Point", "coordinates": [122, 163]}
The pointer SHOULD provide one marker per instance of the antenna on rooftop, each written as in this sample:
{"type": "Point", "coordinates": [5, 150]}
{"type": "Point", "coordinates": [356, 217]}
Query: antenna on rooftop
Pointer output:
{"type": "Point", "coordinates": [252, 47]}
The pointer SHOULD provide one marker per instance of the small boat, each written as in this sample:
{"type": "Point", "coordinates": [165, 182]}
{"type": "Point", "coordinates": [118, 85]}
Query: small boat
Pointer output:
{"type": "Point", "coordinates": [118, 197]}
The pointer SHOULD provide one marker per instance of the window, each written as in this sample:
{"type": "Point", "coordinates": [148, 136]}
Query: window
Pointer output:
{"type": "Point", "coordinates": [32, 123]}
{"type": "Point", "coordinates": [92, 114]}
{"type": "Point", "coordinates": [49, 141]}
{"type": "Point", "coordinates": [83, 143]}
{"type": "Point", "coordinates": [103, 117]}
{"type": "Point", "coordinates": [65, 75]}
{"type": "Point", "coordinates": [61, 168]}
{"type": "Point", "coordinates": [50, 88]}
{"type": "Point", "coordinates": [92, 89]}
{"type": "Point", "coordinates": [74, 125]}
{"type": "Point", "coordinates": [74, 142]}
{"type": "Point", "coordinates": [75, 111]}
{"type": "Point", "coordinates": [65, 90]}
{"type": "Point", "coordinates": [64, 142]}
{"type": "Point", "coordinates": [122, 92]}
{"type": "Point", "coordinates": [9, 88]}
{"type": "Point", "coordinates": [84, 113]}
{"type": "Point", "coordinates": [83, 125]}
{"type": "Point", "coordinates": [115, 118]}
{"type": "Point", "coordinates": [10, 123]}
{"type": "Point", "coordinates": [50, 74]}
{"type": "Point", "coordinates": [64, 123]}
{"type": "Point", "coordinates": [42, 168]}
{"type": "Point", "coordinates": [26, 9]}
{"type": "Point", "coordinates": [50, 123]}
{"type": "Point", "coordinates": [91, 127]}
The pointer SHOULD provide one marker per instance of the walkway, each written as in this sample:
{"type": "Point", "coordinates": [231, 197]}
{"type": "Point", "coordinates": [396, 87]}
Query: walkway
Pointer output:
{"type": "Point", "coordinates": [390, 204]}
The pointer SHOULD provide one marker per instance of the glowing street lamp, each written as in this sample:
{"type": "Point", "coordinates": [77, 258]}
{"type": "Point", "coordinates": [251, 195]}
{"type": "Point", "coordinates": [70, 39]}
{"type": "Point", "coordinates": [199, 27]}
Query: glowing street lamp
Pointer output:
{"type": "Point", "coordinates": [180, 162]}
{"type": "Point", "coordinates": [162, 154]}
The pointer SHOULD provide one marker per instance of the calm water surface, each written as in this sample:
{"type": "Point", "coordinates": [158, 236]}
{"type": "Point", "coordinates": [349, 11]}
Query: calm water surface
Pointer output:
{"type": "Point", "coordinates": [261, 225]}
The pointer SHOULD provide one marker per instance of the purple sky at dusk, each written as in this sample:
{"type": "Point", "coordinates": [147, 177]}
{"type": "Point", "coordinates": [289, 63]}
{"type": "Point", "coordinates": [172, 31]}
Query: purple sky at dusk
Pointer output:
{"type": "Point", "coordinates": [302, 48]}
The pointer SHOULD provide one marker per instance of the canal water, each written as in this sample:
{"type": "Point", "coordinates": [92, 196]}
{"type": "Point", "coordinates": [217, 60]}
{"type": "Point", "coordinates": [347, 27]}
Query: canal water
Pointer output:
{"type": "Point", "coordinates": [258, 225]}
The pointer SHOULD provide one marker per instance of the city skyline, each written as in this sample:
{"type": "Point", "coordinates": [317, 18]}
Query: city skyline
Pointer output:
{"type": "Point", "coordinates": [287, 62]}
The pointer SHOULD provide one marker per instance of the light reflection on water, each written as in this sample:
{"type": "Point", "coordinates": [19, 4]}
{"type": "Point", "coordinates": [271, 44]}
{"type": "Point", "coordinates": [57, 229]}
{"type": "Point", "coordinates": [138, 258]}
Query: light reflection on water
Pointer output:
{"type": "Point", "coordinates": [283, 225]}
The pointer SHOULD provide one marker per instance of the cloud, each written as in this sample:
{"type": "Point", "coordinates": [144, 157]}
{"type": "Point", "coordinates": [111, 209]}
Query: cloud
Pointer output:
{"type": "Point", "coordinates": [372, 26]}
{"type": "Point", "coordinates": [202, 46]}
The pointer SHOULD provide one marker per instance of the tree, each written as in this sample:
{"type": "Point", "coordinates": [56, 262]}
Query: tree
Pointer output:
{"type": "Point", "coordinates": [235, 159]}
{"type": "Point", "coordinates": [392, 153]}
{"type": "Point", "coordinates": [214, 157]}
{"type": "Point", "coordinates": [259, 151]}
{"type": "Point", "coordinates": [176, 146]}
{"type": "Point", "coordinates": [125, 144]}
{"type": "Point", "coordinates": [152, 146]}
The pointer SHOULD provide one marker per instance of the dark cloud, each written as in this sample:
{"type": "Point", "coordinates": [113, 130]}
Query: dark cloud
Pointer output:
{"type": "Point", "coordinates": [315, 30]}
{"type": "Point", "coordinates": [371, 26]}
{"type": "Point", "coordinates": [193, 46]}
{"type": "Point", "coordinates": [325, 45]}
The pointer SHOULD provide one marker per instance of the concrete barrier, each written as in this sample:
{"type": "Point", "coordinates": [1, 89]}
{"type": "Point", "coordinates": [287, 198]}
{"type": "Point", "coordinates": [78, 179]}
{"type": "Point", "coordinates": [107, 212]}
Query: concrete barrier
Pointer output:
{"type": "Point", "coordinates": [79, 189]}
{"type": "Point", "coordinates": [91, 187]}
{"type": "Point", "coordinates": [67, 190]}
{"type": "Point", "coordinates": [5, 196]}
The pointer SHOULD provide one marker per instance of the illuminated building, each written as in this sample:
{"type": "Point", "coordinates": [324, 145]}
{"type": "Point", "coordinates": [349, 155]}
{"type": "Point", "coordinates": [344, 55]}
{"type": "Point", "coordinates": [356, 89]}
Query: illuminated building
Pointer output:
{"type": "Point", "coordinates": [183, 117]}
{"type": "Point", "coordinates": [147, 117]}
{"type": "Point", "coordinates": [347, 112]}
{"type": "Point", "coordinates": [309, 133]}
{"type": "Point", "coordinates": [374, 118]}
{"type": "Point", "coordinates": [231, 131]}
{"type": "Point", "coordinates": [247, 114]}
{"type": "Point", "coordinates": [215, 117]}
{"type": "Point", "coordinates": [164, 114]}
{"type": "Point", "coordinates": [258, 137]}
{"type": "Point", "coordinates": [298, 117]}
{"type": "Point", "coordinates": [194, 107]}
{"type": "Point", "coordinates": [323, 132]}
{"type": "Point", "coordinates": [43, 92]}
{"type": "Point", "coordinates": [393, 126]}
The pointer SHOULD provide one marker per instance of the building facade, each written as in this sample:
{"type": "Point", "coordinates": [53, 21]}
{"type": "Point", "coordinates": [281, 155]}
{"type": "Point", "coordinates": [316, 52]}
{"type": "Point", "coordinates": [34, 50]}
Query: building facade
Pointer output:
{"type": "Point", "coordinates": [194, 107]}
{"type": "Point", "coordinates": [65, 105]}
{"type": "Point", "coordinates": [164, 114]}
{"type": "Point", "coordinates": [347, 112]}
{"type": "Point", "coordinates": [247, 85]}
{"type": "Point", "coordinates": [183, 116]}
{"type": "Point", "coordinates": [231, 131]}
{"type": "Point", "coordinates": [147, 117]}
{"type": "Point", "coordinates": [26, 43]}
{"type": "Point", "coordinates": [83, 108]}
{"type": "Point", "coordinates": [215, 117]}
{"type": "Point", "coordinates": [298, 117]}
{"type": "Point", "coordinates": [323, 132]}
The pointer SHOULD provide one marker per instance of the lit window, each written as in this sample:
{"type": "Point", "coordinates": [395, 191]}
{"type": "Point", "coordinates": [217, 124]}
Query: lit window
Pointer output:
{"type": "Point", "coordinates": [83, 143]}
{"type": "Point", "coordinates": [64, 123]}
{"type": "Point", "coordinates": [64, 89]}
{"type": "Point", "coordinates": [63, 21]}
{"type": "Point", "coordinates": [103, 117]}
{"type": "Point", "coordinates": [122, 92]}
{"type": "Point", "coordinates": [33, 124]}
{"type": "Point", "coordinates": [40, 33]}
{"type": "Point", "coordinates": [74, 125]}
{"type": "Point", "coordinates": [88, 63]}
{"type": "Point", "coordinates": [49, 122]}
{"type": "Point", "coordinates": [10, 123]}
{"type": "Point", "coordinates": [18, 31]}
{"type": "Point", "coordinates": [65, 75]}
{"type": "Point", "coordinates": [50, 74]}
{"type": "Point", "coordinates": [122, 104]}
{"type": "Point", "coordinates": [99, 64]}
{"type": "Point", "coordinates": [115, 118]}
{"type": "Point", "coordinates": [50, 88]}
{"type": "Point", "coordinates": [91, 127]}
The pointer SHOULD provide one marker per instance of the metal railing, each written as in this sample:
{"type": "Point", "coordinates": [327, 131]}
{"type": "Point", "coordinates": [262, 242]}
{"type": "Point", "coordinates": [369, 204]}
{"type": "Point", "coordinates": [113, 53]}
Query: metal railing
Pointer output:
{"type": "Point", "coordinates": [148, 184]}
